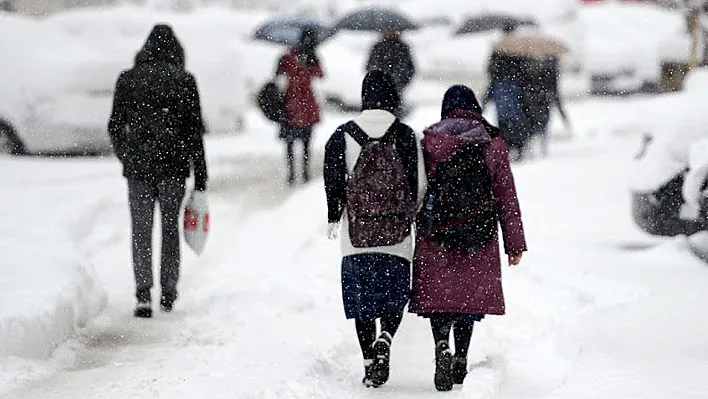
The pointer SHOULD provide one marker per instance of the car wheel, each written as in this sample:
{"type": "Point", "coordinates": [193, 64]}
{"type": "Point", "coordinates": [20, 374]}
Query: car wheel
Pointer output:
{"type": "Point", "coordinates": [10, 144]}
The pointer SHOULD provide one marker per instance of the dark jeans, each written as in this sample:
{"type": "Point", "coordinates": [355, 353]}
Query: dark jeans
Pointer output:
{"type": "Point", "coordinates": [142, 196]}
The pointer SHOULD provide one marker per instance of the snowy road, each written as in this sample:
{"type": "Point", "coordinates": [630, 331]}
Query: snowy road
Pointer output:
{"type": "Point", "coordinates": [597, 310]}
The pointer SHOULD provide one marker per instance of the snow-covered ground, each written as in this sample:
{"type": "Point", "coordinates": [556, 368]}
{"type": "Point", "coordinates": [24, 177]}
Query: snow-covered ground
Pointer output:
{"type": "Point", "coordinates": [598, 309]}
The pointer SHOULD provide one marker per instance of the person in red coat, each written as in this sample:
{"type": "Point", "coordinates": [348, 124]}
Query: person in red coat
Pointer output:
{"type": "Point", "coordinates": [300, 66]}
{"type": "Point", "coordinates": [455, 288]}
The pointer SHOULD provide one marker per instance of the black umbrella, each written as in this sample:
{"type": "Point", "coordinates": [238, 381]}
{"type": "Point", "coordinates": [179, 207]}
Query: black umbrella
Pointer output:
{"type": "Point", "coordinates": [288, 31]}
{"type": "Point", "coordinates": [375, 19]}
{"type": "Point", "coordinates": [490, 22]}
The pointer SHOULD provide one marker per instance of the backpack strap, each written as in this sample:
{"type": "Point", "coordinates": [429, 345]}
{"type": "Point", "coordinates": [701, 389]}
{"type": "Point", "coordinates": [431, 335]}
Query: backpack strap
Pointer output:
{"type": "Point", "coordinates": [357, 133]}
{"type": "Point", "coordinates": [361, 138]}
{"type": "Point", "coordinates": [392, 132]}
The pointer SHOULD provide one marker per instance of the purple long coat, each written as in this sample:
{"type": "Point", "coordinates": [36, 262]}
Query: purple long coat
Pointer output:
{"type": "Point", "coordinates": [462, 282]}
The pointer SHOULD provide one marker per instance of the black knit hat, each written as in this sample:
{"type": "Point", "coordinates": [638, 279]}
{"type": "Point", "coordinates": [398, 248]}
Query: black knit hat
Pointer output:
{"type": "Point", "coordinates": [378, 91]}
{"type": "Point", "coordinates": [459, 97]}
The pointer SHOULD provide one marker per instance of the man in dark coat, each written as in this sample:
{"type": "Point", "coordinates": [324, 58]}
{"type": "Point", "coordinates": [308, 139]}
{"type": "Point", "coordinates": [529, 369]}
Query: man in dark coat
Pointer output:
{"type": "Point", "coordinates": [156, 130]}
{"type": "Point", "coordinates": [541, 93]}
{"type": "Point", "coordinates": [393, 56]}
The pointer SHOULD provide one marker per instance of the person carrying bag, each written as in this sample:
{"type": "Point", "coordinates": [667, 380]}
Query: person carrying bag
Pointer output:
{"type": "Point", "coordinates": [156, 130]}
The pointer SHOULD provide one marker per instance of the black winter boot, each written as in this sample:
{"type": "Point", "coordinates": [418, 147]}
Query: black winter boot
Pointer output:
{"type": "Point", "coordinates": [443, 364]}
{"type": "Point", "coordinates": [459, 369]}
{"type": "Point", "coordinates": [368, 367]}
{"type": "Point", "coordinates": [167, 300]}
{"type": "Point", "coordinates": [382, 358]}
{"type": "Point", "coordinates": [143, 308]}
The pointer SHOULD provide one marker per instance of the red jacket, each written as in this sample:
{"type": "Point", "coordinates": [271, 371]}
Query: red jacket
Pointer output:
{"type": "Point", "coordinates": [445, 280]}
{"type": "Point", "coordinates": [301, 108]}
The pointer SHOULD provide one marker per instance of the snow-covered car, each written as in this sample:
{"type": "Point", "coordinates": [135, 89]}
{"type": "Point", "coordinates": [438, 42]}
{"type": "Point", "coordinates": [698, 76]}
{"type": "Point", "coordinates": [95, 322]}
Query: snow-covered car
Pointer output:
{"type": "Point", "coordinates": [59, 99]}
{"type": "Point", "coordinates": [626, 44]}
{"type": "Point", "coordinates": [50, 98]}
{"type": "Point", "coordinates": [669, 174]}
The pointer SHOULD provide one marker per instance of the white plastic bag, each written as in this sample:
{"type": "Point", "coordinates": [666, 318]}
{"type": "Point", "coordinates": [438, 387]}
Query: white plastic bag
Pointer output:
{"type": "Point", "coordinates": [196, 221]}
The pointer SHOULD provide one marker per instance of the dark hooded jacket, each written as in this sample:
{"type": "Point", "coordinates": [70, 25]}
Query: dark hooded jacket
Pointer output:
{"type": "Point", "coordinates": [541, 93]}
{"type": "Point", "coordinates": [451, 281]}
{"type": "Point", "coordinates": [393, 56]}
{"type": "Point", "coordinates": [156, 125]}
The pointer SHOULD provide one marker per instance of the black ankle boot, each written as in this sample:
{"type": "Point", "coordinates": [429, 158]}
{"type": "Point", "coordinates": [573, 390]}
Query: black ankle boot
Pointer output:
{"type": "Point", "coordinates": [459, 369]}
{"type": "Point", "coordinates": [382, 357]}
{"type": "Point", "coordinates": [143, 309]}
{"type": "Point", "coordinates": [443, 364]}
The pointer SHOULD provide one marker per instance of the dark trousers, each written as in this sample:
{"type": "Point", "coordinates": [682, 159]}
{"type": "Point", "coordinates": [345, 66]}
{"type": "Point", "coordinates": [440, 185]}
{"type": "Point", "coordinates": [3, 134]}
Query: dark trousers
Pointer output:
{"type": "Point", "coordinates": [291, 135]}
{"type": "Point", "coordinates": [142, 196]}
{"type": "Point", "coordinates": [516, 136]}
{"type": "Point", "coordinates": [461, 326]}
{"type": "Point", "coordinates": [367, 334]}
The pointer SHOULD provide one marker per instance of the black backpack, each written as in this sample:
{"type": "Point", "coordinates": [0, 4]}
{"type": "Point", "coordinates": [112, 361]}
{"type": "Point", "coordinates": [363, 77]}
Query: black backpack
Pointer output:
{"type": "Point", "coordinates": [271, 102]}
{"type": "Point", "coordinates": [461, 212]}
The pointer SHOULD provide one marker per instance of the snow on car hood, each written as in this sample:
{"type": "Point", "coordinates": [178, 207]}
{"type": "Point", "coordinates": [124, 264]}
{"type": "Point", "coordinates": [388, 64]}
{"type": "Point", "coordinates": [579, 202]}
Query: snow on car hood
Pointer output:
{"type": "Point", "coordinates": [677, 122]}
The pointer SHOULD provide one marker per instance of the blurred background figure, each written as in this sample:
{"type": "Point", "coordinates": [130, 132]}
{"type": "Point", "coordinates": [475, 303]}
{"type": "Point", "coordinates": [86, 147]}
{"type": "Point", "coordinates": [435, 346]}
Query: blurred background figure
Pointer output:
{"type": "Point", "coordinates": [540, 96]}
{"type": "Point", "coordinates": [393, 56]}
{"type": "Point", "coordinates": [300, 65]}
{"type": "Point", "coordinates": [506, 85]}
{"type": "Point", "coordinates": [7, 5]}
{"type": "Point", "coordinates": [524, 70]}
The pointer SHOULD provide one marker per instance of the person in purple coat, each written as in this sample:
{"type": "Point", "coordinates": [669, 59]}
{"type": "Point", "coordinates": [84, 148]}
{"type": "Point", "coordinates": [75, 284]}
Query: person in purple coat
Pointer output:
{"type": "Point", "coordinates": [455, 288]}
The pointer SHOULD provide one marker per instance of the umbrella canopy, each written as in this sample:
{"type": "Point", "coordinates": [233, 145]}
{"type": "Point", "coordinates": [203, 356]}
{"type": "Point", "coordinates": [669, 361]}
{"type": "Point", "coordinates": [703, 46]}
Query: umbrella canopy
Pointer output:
{"type": "Point", "coordinates": [288, 31]}
{"type": "Point", "coordinates": [489, 22]}
{"type": "Point", "coordinates": [376, 20]}
{"type": "Point", "coordinates": [531, 46]}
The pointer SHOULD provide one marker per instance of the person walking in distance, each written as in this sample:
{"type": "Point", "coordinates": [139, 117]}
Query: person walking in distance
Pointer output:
{"type": "Point", "coordinates": [374, 179]}
{"type": "Point", "coordinates": [156, 129]}
{"type": "Point", "coordinates": [302, 112]}
{"type": "Point", "coordinates": [393, 56]}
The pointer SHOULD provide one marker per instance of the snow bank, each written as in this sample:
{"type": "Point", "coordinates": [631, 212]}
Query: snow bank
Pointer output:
{"type": "Point", "coordinates": [47, 291]}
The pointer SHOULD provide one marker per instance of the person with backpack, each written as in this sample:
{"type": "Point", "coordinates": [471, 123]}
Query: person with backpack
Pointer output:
{"type": "Point", "coordinates": [457, 264]}
{"type": "Point", "coordinates": [156, 130]}
{"type": "Point", "coordinates": [300, 66]}
{"type": "Point", "coordinates": [374, 179]}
